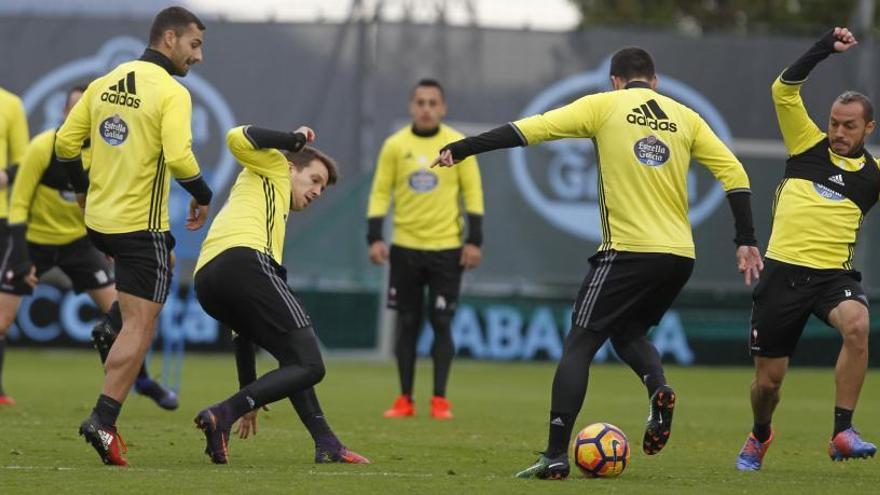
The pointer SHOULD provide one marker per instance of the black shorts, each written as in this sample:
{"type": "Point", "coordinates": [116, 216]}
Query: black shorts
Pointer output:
{"type": "Point", "coordinates": [247, 291]}
{"type": "Point", "coordinates": [785, 297]}
{"type": "Point", "coordinates": [413, 269]}
{"type": "Point", "coordinates": [86, 267]}
{"type": "Point", "coordinates": [626, 293]}
{"type": "Point", "coordinates": [142, 261]}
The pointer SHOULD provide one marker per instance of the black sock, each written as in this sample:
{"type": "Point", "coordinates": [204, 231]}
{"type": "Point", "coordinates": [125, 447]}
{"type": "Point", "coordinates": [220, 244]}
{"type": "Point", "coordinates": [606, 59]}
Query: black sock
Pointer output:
{"type": "Point", "coordinates": [408, 327]}
{"type": "Point", "coordinates": [842, 420]}
{"type": "Point", "coordinates": [761, 432]}
{"type": "Point", "coordinates": [641, 355]}
{"type": "Point", "coordinates": [107, 409]}
{"type": "Point", "coordinates": [442, 351]}
{"type": "Point", "coordinates": [2, 353]}
{"type": "Point", "coordinates": [142, 374]}
{"type": "Point", "coordinates": [234, 407]}
{"type": "Point", "coordinates": [561, 425]}
{"type": "Point", "coordinates": [309, 411]}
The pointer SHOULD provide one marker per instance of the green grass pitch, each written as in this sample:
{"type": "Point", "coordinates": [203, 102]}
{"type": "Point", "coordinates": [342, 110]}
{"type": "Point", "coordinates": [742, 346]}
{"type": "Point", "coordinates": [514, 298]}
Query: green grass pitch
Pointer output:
{"type": "Point", "coordinates": [501, 416]}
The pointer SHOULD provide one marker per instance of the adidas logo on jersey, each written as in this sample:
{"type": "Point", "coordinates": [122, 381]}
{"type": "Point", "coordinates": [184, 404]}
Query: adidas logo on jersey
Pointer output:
{"type": "Point", "coordinates": [650, 114]}
{"type": "Point", "coordinates": [123, 93]}
{"type": "Point", "coordinates": [837, 179]}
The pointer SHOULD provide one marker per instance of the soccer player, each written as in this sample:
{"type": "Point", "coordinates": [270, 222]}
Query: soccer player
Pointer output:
{"type": "Point", "coordinates": [137, 117]}
{"type": "Point", "coordinates": [13, 142]}
{"type": "Point", "coordinates": [47, 230]}
{"type": "Point", "coordinates": [426, 250]}
{"type": "Point", "coordinates": [830, 183]}
{"type": "Point", "coordinates": [645, 142]}
{"type": "Point", "coordinates": [239, 280]}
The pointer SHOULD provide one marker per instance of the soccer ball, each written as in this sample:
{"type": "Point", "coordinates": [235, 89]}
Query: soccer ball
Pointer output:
{"type": "Point", "coordinates": [601, 451]}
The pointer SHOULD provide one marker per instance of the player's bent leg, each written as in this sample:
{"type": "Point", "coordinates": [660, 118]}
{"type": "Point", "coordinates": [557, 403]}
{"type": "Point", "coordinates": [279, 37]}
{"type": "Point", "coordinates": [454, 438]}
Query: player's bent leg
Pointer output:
{"type": "Point", "coordinates": [641, 355]}
{"type": "Point", "coordinates": [442, 353]}
{"type": "Point", "coordinates": [765, 390]}
{"type": "Point", "coordinates": [301, 367]}
{"type": "Point", "coordinates": [850, 318]}
{"type": "Point", "coordinates": [8, 308]}
{"type": "Point", "coordinates": [567, 396]}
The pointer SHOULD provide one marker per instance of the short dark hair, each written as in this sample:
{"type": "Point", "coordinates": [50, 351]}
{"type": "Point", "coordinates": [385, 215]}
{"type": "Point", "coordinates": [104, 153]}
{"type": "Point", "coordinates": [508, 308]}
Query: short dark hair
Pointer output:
{"type": "Point", "coordinates": [867, 106]}
{"type": "Point", "coordinates": [428, 83]}
{"type": "Point", "coordinates": [176, 18]}
{"type": "Point", "coordinates": [631, 63]}
{"type": "Point", "coordinates": [307, 154]}
{"type": "Point", "coordinates": [77, 88]}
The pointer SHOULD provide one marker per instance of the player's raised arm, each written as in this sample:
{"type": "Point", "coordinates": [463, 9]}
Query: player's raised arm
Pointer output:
{"type": "Point", "coordinates": [256, 148]}
{"type": "Point", "coordinates": [799, 131]}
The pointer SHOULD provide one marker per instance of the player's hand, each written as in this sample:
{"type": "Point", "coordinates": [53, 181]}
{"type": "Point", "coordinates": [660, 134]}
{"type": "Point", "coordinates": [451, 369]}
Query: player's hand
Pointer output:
{"type": "Point", "coordinates": [307, 132]}
{"type": "Point", "coordinates": [4, 179]}
{"type": "Point", "coordinates": [378, 253]}
{"type": "Point", "coordinates": [198, 214]}
{"type": "Point", "coordinates": [31, 277]}
{"type": "Point", "coordinates": [444, 159]}
{"type": "Point", "coordinates": [749, 263]}
{"type": "Point", "coordinates": [844, 39]}
{"type": "Point", "coordinates": [470, 256]}
{"type": "Point", "coordinates": [247, 424]}
{"type": "Point", "coordinates": [81, 201]}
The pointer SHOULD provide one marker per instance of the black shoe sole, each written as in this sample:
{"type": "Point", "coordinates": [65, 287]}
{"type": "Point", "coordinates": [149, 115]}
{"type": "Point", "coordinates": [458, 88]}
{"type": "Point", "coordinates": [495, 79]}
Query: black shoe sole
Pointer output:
{"type": "Point", "coordinates": [657, 432]}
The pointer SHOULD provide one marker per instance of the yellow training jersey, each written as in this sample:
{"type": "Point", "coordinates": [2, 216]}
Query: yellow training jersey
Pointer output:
{"type": "Point", "coordinates": [644, 143]}
{"type": "Point", "coordinates": [427, 214]}
{"type": "Point", "coordinates": [815, 223]}
{"type": "Point", "coordinates": [13, 139]}
{"type": "Point", "coordinates": [255, 215]}
{"type": "Point", "coordinates": [138, 119]}
{"type": "Point", "coordinates": [42, 195]}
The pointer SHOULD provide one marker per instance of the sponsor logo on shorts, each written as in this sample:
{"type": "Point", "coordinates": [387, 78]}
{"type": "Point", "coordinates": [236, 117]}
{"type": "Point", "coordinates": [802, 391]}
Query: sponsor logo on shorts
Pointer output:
{"type": "Point", "coordinates": [114, 130]}
{"type": "Point", "coordinates": [423, 181]}
{"type": "Point", "coordinates": [827, 193]}
{"type": "Point", "coordinates": [651, 151]}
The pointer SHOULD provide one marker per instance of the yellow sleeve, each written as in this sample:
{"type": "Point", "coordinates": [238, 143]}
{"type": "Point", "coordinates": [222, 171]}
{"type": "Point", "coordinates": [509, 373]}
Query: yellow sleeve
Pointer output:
{"type": "Point", "coordinates": [383, 182]}
{"type": "Point", "coordinates": [266, 162]}
{"type": "Point", "coordinates": [471, 185]}
{"type": "Point", "coordinates": [177, 135]}
{"type": "Point", "coordinates": [580, 118]}
{"type": "Point", "coordinates": [30, 172]}
{"type": "Point", "coordinates": [76, 128]}
{"type": "Point", "coordinates": [18, 133]}
{"type": "Point", "coordinates": [709, 150]}
{"type": "Point", "coordinates": [799, 132]}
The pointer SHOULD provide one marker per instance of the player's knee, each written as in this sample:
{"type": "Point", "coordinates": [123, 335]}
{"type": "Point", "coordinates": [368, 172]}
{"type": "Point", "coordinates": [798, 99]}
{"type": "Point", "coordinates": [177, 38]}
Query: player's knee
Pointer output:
{"type": "Point", "coordinates": [409, 321]}
{"type": "Point", "coordinates": [441, 321]}
{"type": "Point", "coordinates": [316, 371]}
{"type": "Point", "coordinates": [855, 331]}
{"type": "Point", "coordinates": [769, 383]}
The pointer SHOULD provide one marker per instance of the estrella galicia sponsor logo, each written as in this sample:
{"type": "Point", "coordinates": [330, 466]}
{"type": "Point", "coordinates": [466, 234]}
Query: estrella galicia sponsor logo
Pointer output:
{"type": "Point", "coordinates": [566, 191]}
{"type": "Point", "coordinates": [123, 92]}
{"type": "Point", "coordinates": [651, 151]}
{"type": "Point", "coordinates": [211, 117]}
{"type": "Point", "coordinates": [650, 114]}
{"type": "Point", "coordinates": [827, 193]}
{"type": "Point", "coordinates": [422, 181]}
{"type": "Point", "coordinates": [114, 130]}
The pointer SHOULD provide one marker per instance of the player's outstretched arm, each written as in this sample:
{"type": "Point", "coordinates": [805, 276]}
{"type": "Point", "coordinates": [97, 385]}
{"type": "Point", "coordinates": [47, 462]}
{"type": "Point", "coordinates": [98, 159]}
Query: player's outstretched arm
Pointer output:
{"type": "Point", "coordinates": [505, 136]}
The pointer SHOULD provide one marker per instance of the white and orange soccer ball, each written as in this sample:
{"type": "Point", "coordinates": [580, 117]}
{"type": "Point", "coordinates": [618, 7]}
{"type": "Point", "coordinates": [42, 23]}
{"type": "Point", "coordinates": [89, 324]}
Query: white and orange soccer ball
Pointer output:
{"type": "Point", "coordinates": [601, 451]}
